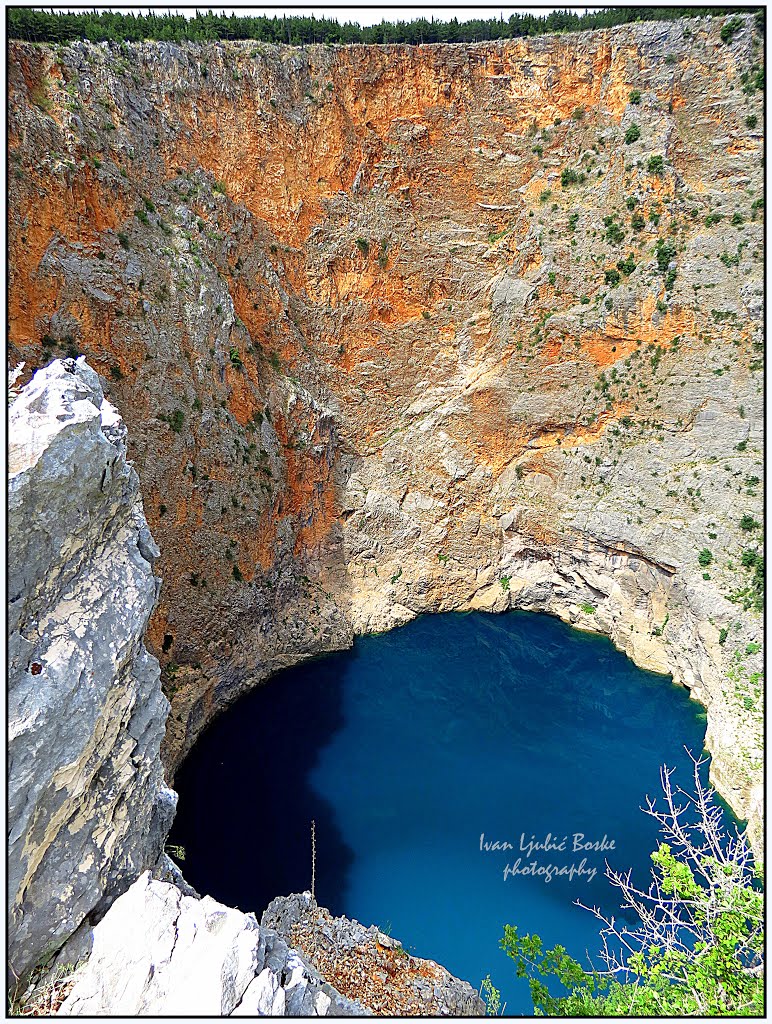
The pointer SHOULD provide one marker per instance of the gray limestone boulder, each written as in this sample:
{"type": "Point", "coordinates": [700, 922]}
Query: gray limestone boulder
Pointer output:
{"type": "Point", "coordinates": [88, 810]}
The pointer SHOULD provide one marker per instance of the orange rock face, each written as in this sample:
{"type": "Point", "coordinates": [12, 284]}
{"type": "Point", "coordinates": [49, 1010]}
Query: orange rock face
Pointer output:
{"type": "Point", "coordinates": [398, 314]}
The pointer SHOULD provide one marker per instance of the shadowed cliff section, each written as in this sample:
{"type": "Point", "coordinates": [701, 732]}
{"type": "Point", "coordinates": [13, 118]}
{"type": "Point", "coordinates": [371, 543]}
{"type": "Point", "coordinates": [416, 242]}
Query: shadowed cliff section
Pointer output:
{"type": "Point", "coordinates": [402, 329]}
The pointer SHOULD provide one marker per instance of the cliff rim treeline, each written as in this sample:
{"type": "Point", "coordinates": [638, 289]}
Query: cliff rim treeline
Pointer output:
{"type": "Point", "coordinates": [109, 26]}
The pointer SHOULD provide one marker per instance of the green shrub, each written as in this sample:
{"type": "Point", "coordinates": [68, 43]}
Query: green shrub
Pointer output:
{"type": "Point", "coordinates": [174, 420]}
{"type": "Point", "coordinates": [713, 218]}
{"type": "Point", "coordinates": [235, 358]}
{"type": "Point", "coordinates": [749, 557]}
{"type": "Point", "coordinates": [705, 888]}
{"type": "Point", "coordinates": [492, 997]}
{"type": "Point", "coordinates": [705, 557]}
{"type": "Point", "coordinates": [615, 233]}
{"type": "Point", "coordinates": [627, 266]}
{"type": "Point", "coordinates": [730, 29]}
{"type": "Point", "coordinates": [635, 97]}
{"type": "Point", "coordinates": [737, 219]}
{"type": "Point", "coordinates": [124, 240]}
{"type": "Point", "coordinates": [632, 134]}
{"type": "Point", "coordinates": [363, 245]}
{"type": "Point", "coordinates": [141, 216]}
{"type": "Point", "coordinates": [637, 222]}
{"type": "Point", "coordinates": [568, 177]}
{"type": "Point", "coordinates": [751, 121]}
{"type": "Point", "coordinates": [588, 609]}
{"type": "Point", "coordinates": [747, 522]}
{"type": "Point", "coordinates": [665, 252]}
{"type": "Point", "coordinates": [656, 165]}
{"type": "Point", "coordinates": [612, 277]}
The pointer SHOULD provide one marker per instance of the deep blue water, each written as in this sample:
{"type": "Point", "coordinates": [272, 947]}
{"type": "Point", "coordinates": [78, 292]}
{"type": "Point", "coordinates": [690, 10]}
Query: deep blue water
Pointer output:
{"type": "Point", "coordinates": [409, 747]}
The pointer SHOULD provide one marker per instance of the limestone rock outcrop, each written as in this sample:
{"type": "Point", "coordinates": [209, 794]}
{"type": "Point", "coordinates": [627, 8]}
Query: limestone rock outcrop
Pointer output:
{"type": "Point", "coordinates": [87, 806]}
{"type": "Point", "coordinates": [160, 953]}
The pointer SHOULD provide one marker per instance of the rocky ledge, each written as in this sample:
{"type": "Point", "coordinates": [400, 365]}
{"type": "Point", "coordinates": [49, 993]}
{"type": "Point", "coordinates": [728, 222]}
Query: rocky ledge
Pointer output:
{"type": "Point", "coordinates": [158, 952]}
{"type": "Point", "coordinates": [161, 953]}
{"type": "Point", "coordinates": [373, 968]}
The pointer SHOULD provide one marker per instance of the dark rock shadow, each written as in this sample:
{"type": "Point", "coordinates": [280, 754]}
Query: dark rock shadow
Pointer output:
{"type": "Point", "coordinates": [245, 798]}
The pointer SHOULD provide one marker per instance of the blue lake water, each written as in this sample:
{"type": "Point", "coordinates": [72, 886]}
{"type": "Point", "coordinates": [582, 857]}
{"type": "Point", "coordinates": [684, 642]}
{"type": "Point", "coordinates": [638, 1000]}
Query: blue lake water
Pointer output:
{"type": "Point", "coordinates": [409, 747]}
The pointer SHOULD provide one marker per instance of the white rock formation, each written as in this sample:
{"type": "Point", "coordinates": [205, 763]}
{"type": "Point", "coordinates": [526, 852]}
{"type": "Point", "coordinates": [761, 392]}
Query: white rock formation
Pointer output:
{"type": "Point", "coordinates": [88, 810]}
{"type": "Point", "coordinates": [158, 952]}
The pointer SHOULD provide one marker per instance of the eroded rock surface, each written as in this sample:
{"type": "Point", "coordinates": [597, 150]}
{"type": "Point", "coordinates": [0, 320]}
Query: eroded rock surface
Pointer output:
{"type": "Point", "coordinates": [87, 806]}
{"type": "Point", "coordinates": [373, 968]}
{"type": "Point", "coordinates": [157, 952]}
{"type": "Point", "coordinates": [406, 329]}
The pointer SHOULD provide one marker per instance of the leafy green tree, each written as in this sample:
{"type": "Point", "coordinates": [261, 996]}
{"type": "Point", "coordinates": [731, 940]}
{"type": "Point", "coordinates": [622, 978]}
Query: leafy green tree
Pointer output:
{"type": "Point", "coordinates": [698, 946]}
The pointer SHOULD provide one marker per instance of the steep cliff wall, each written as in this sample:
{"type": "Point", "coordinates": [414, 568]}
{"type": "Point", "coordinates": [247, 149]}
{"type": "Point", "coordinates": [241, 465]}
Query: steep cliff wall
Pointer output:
{"type": "Point", "coordinates": [87, 808]}
{"type": "Point", "coordinates": [403, 329]}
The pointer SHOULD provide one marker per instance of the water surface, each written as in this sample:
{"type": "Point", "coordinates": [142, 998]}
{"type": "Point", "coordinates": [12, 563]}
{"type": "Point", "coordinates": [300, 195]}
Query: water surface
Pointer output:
{"type": "Point", "coordinates": [406, 750]}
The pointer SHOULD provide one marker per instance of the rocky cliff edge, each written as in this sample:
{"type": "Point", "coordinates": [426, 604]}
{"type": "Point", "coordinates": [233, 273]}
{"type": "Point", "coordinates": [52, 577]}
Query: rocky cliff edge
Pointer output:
{"type": "Point", "coordinates": [87, 806]}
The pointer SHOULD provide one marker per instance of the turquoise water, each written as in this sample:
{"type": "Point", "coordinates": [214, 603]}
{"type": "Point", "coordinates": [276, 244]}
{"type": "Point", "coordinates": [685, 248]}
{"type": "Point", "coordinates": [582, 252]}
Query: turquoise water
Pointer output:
{"type": "Point", "coordinates": [409, 748]}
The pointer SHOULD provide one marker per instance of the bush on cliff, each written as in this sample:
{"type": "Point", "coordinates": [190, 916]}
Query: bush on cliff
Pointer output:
{"type": "Point", "coordinates": [698, 949]}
